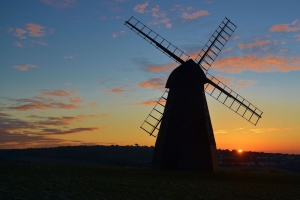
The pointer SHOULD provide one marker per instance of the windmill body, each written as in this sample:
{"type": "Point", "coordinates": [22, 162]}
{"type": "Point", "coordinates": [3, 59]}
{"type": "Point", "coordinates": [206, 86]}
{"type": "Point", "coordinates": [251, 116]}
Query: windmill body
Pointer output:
{"type": "Point", "coordinates": [185, 139]}
{"type": "Point", "coordinates": [180, 120]}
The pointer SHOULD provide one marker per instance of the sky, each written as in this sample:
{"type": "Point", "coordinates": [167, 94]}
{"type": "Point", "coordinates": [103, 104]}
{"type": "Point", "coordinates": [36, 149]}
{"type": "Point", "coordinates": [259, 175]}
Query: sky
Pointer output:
{"type": "Point", "coordinates": [71, 73]}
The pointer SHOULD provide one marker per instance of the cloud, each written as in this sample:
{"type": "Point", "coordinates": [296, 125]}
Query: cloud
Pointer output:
{"type": "Point", "coordinates": [20, 33]}
{"type": "Point", "coordinates": [76, 99]}
{"type": "Point", "coordinates": [114, 90]}
{"type": "Point", "coordinates": [250, 45]}
{"type": "Point", "coordinates": [40, 105]}
{"type": "Point", "coordinates": [93, 104]}
{"type": "Point", "coordinates": [235, 37]}
{"type": "Point", "coordinates": [297, 37]}
{"type": "Point", "coordinates": [220, 131]}
{"type": "Point", "coordinates": [177, 7]}
{"type": "Point", "coordinates": [116, 34]}
{"type": "Point", "coordinates": [51, 131]}
{"type": "Point", "coordinates": [267, 63]}
{"type": "Point", "coordinates": [242, 83]}
{"type": "Point", "coordinates": [229, 82]}
{"type": "Point", "coordinates": [104, 115]}
{"type": "Point", "coordinates": [140, 8]}
{"type": "Point", "coordinates": [10, 29]}
{"type": "Point", "coordinates": [57, 99]}
{"type": "Point", "coordinates": [18, 44]}
{"type": "Point", "coordinates": [147, 103]}
{"type": "Point", "coordinates": [283, 50]}
{"type": "Point", "coordinates": [18, 133]}
{"type": "Point", "coordinates": [262, 130]}
{"type": "Point", "coordinates": [35, 30]}
{"type": "Point", "coordinates": [160, 17]}
{"type": "Point", "coordinates": [32, 30]}
{"type": "Point", "coordinates": [158, 68]}
{"type": "Point", "coordinates": [60, 93]}
{"type": "Point", "coordinates": [194, 15]}
{"type": "Point", "coordinates": [294, 26]}
{"type": "Point", "coordinates": [59, 121]}
{"type": "Point", "coordinates": [68, 57]}
{"type": "Point", "coordinates": [59, 3]}
{"type": "Point", "coordinates": [39, 42]}
{"type": "Point", "coordinates": [24, 67]}
{"type": "Point", "coordinates": [154, 83]}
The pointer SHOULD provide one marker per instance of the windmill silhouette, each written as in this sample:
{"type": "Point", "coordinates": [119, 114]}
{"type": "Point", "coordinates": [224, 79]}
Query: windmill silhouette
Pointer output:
{"type": "Point", "coordinates": [180, 120]}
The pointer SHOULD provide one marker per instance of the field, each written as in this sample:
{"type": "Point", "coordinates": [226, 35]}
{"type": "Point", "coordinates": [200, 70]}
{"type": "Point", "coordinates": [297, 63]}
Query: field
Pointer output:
{"type": "Point", "coordinates": [66, 181]}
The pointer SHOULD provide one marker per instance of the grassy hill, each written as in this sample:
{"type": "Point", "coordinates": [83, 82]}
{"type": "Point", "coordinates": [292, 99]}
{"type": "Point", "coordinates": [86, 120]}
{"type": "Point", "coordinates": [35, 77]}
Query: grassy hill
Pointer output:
{"type": "Point", "coordinates": [76, 181]}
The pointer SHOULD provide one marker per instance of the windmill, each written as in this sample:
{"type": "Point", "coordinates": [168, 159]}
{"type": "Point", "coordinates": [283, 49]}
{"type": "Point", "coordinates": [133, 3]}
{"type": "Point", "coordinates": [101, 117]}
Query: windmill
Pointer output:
{"type": "Point", "coordinates": [180, 120]}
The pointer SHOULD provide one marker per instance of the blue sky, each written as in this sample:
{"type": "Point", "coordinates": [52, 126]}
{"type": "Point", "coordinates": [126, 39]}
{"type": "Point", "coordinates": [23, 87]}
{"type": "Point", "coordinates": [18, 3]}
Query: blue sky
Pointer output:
{"type": "Point", "coordinates": [71, 73]}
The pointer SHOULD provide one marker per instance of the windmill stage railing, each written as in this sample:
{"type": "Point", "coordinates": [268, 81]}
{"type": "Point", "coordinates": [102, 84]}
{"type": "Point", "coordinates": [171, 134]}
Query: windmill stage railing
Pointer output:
{"type": "Point", "coordinates": [156, 40]}
{"type": "Point", "coordinates": [215, 44]}
{"type": "Point", "coordinates": [151, 123]}
{"type": "Point", "coordinates": [233, 100]}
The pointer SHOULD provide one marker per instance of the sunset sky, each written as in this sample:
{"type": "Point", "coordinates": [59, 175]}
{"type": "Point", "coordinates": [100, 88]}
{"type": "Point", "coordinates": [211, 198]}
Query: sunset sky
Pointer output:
{"type": "Point", "coordinates": [71, 73]}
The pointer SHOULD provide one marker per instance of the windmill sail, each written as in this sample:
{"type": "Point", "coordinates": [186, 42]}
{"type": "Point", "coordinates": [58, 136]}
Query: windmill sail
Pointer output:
{"type": "Point", "coordinates": [156, 40]}
{"type": "Point", "coordinates": [205, 59]}
{"type": "Point", "coordinates": [151, 123]}
{"type": "Point", "coordinates": [232, 100]}
{"type": "Point", "coordinates": [215, 44]}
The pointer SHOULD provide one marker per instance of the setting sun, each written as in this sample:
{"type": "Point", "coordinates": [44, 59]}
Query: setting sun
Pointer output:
{"type": "Point", "coordinates": [240, 150]}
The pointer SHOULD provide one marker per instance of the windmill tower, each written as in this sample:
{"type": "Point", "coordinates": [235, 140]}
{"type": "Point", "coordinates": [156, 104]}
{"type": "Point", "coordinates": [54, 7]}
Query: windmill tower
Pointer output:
{"type": "Point", "coordinates": [180, 120]}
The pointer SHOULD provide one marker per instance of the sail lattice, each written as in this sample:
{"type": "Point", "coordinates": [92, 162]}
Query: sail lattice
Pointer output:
{"type": "Point", "coordinates": [215, 44]}
{"type": "Point", "coordinates": [232, 100]}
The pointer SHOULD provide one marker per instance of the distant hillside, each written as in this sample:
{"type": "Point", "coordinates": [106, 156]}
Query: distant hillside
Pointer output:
{"type": "Point", "coordinates": [141, 156]}
{"type": "Point", "coordinates": [109, 155]}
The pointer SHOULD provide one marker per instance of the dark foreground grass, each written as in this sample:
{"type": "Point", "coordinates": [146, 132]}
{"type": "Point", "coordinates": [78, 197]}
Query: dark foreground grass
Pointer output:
{"type": "Point", "coordinates": [54, 181]}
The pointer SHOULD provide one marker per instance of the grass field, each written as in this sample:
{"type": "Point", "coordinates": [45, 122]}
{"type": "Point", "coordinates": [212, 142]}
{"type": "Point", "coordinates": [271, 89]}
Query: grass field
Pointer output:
{"type": "Point", "coordinates": [54, 181]}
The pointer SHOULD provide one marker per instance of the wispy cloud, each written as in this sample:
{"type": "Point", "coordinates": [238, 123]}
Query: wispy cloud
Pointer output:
{"type": "Point", "coordinates": [94, 104]}
{"type": "Point", "coordinates": [229, 82]}
{"type": "Point", "coordinates": [154, 83]}
{"type": "Point", "coordinates": [253, 62]}
{"type": "Point", "coordinates": [59, 3]}
{"type": "Point", "coordinates": [147, 103]}
{"type": "Point", "coordinates": [253, 44]}
{"type": "Point", "coordinates": [18, 44]}
{"type": "Point", "coordinates": [31, 30]}
{"type": "Point", "coordinates": [18, 133]}
{"type": "Point", "coordinates": [160, 17]}
{"type": "Point", "coordinates": [116, 34]}
{"type": "Point", "coordinates": [104, 115]}
{"type": "Point", "coordinates": [24, 67]}
{"type": "Point", "coordinates": [297, 37]}
{"type": "Point", "coordinates": [114, 90]}
{"type": "Point", "coordinates": [292, 27]}
{"type": "Point", "coordinates": [69, 57]}
{"type": "Point", "coordinates": [262, 130]}
{"type": "Point", "coordinates": [60, 93]}
{"type": "Point", "coordinates": [158, 68]}
{"type": "Point", "coordinates": [58, 99]}
{"type": "Point", "coordinates": [20, 33]}
{"type": "Point", "coordinates": [195, 15]}
{"type": "Point", "coordinates": [59, 121]}
{"type": "Point", "coordinates": [31, 104]}
{"type": "Point", "coordinates": [140, 8]}
{"type": "Point", "coordinates": [53, 131]}
{"type": "Point", "coordinates": [177, 7]}
{"type": "Point", "coordinates": [35, 30]}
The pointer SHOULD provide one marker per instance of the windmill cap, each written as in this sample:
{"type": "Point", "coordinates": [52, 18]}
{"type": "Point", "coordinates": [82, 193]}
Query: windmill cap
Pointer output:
{"type": "Point", "coordinates": [187, 74]}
